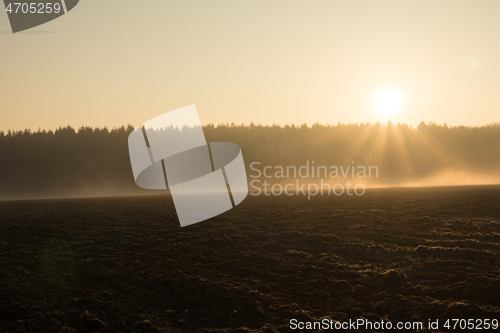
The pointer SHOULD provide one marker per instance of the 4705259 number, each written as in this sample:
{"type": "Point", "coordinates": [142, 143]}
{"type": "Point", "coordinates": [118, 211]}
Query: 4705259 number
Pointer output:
{"type": "Point", "coordinates": [471, 324]}
{"type": "Point", "coordinates": [33, 8]}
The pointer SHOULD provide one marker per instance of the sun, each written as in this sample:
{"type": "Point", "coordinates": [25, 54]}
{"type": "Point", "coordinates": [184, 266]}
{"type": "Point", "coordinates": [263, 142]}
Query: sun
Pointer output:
{"type": "Point", "coordinates": [388, 101]}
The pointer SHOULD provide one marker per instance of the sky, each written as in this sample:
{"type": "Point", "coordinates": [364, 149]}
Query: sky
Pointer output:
{"type": "Point", "coordinates": [118, 62]}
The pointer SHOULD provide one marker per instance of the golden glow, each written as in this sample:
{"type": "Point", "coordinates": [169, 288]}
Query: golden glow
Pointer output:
{"type": "Point", "coordinates": [325, 65]}
{"type": "Point", "coordinates": [388, 101]}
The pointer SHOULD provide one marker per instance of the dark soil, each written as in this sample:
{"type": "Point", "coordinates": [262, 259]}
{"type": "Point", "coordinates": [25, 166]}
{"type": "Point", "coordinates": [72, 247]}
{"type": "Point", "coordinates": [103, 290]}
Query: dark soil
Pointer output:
{"type": "Point", "coordinates": [125, 264]}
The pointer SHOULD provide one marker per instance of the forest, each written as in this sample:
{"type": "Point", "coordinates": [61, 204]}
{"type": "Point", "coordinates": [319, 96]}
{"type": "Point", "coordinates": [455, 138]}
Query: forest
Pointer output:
{"type": "Point", "coordinates": [89, 161]}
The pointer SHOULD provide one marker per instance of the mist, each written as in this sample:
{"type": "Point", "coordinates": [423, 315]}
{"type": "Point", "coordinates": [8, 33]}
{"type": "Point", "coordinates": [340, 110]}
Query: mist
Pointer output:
{"type": "Point", "coordinates": [94, 162]}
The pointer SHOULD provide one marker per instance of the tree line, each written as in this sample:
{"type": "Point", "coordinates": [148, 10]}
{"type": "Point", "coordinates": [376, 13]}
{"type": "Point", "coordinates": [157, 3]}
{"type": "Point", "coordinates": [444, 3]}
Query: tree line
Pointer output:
{"type": "Point", "coordinates": [95, 161]}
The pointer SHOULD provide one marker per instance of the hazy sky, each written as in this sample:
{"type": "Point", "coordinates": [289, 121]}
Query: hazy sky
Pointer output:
{"type": "Point", "coordinates": [117, 62]}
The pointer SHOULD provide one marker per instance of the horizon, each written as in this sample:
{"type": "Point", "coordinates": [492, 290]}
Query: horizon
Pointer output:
{"type": "Point", "coordinates": [368, 188]}
{"type": "Point", "coordinates": [233, 124]}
